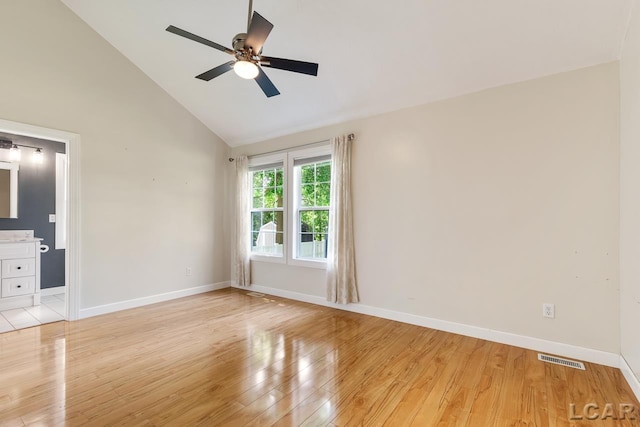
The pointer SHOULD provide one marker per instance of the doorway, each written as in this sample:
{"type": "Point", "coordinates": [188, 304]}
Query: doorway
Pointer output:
{"type": "Point", "coordinates": [60, 292]}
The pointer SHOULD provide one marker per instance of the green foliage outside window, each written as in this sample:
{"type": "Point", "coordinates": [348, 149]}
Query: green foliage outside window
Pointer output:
{"type": "Point", "coordinates": [315, 192]}
{"type": "Point", "coordinates": [268, 196]}
{"type": "Point", "coordinates": [268, 189]}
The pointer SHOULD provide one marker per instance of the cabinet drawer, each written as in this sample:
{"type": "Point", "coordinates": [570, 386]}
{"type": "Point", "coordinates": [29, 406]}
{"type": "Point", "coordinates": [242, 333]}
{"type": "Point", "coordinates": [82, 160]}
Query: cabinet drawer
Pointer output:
{"type": "Point", "coordinates": [17, 250]}
{"type": "Point", "coordinates": [18, 267]}
{"type": "Point", "coordinates": [18, 286]}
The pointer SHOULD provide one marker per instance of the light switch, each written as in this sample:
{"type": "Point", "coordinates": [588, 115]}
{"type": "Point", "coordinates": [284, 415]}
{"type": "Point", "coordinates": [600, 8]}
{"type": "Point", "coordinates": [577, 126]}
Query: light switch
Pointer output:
{"type": "Point", "coordinates": [52, 217]}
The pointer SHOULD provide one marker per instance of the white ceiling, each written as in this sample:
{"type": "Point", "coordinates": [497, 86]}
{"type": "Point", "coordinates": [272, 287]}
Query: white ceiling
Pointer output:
{"type": "Point", "coordinates": [374, 56]}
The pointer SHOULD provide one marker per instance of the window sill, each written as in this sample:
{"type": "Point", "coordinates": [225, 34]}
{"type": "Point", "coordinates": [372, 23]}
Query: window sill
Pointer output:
{"type": "Point", "coordinates": [268, 258]}
{"type": "Point", "coordinates": [321, 264]}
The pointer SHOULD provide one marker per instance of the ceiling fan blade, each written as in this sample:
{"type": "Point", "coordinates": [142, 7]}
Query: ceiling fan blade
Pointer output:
{"type": "Point", "coordinates": [309, 68]}
{"type": "Point", "coordinates": [191, 36]}
{"type": "Point", "coordinates": [258, 32]}
{"type": "Point", "coordinates": [266, 85]}
{"type": "Point", "coordinates": [215, 72]}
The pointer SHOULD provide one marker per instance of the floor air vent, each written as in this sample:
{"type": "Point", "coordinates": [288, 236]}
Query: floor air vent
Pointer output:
{"type": "Point", "coordinates": [560, 361]}
{"type": "Point", "coordinates": [255, 294]}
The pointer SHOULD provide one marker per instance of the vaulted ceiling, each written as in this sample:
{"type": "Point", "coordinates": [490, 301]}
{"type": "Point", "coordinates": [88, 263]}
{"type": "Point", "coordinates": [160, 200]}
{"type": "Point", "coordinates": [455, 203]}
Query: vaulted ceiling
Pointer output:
{"type": "Point", "coordinates": [374, 56]}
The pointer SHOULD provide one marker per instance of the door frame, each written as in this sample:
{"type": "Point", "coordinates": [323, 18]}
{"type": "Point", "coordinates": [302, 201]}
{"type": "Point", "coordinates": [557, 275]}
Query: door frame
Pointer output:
{"type": "Point", "coordinates": [72, 251]}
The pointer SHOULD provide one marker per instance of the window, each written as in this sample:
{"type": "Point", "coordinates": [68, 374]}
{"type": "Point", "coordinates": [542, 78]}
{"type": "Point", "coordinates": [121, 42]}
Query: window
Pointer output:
{"type": "Point", "coordinates": [290, 206]}
{"type": "Point", "coordinates": [267, 210]}
{"type": "Point", "coordinates": [312, 189]}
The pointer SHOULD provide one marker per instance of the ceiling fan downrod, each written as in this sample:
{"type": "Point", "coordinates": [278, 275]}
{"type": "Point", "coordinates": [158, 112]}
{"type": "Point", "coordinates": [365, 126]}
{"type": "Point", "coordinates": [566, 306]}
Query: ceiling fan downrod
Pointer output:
{"type": "Point", "coordinates": [249, 15]}
{"type": "Point", "coordinates": [238, 41]}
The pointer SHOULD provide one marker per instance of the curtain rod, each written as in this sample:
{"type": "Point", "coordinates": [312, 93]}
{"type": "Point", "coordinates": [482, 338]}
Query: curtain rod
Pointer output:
{"type": "Point", "coordinates": [349, 137]}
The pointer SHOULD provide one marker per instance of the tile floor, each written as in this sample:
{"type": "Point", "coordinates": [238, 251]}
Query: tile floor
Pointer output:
{"type": "Point", "coordinates": [51, 309]}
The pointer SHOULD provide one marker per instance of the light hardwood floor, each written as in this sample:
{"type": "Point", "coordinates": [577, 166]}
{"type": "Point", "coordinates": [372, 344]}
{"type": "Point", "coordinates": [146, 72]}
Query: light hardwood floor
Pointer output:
{"type": "Point", "coordinates": [225, 358]}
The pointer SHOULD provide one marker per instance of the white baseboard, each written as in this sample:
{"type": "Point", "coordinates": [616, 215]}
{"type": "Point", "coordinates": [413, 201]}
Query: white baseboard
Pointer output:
{"type": "Point", "coordinates": [537, 344]}
{"type": "Point", "coordinates": [139, 302]}
{"type": "Point", "coordinates": [633, 381]}
{"type": "Point", "coordinates": [57, 290]}
{"type": "Point", "coordinates": [20, 302]}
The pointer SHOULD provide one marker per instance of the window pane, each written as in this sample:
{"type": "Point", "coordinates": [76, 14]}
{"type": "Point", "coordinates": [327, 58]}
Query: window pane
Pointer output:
{"type": "Point", "coordinates": [305, 245]}
{"type": "Point", "coordinates": [268, 238]}
{"type": "Point", "coordinates": [270, 198]}
{"type": "Point", "coordinates": [269, 178]}
{"type": "Point", "coordinates": [267, 217]}
{"type": "Point", "coordinates": [321, 222]}
{"type": "Point", "coordinates": [306, 221]}
{"type": "Point", "coordinates": [306, 237]}
{"type": "Point", "coordinates": [312, 234]}
{"type": "Point", "coordinates": [256, 221]}
{"type": "Point", "coordinates": [320, 246]}
{"type": "Point", "coordinates": [257, 179]}
{"type": "Point", "coordinates": [322, 194]}
{"type": "Point", "coordinates": [258, 198]}
{"type": "Point", "coordinates": [307, 174]}
{"type": "Point", "coordinates": [312, 245]}
{"type": "Point", "coordinates": [267, 227]}
{"type": "Point", "coordinates": [308, 195]}
{"type": "Point", "coordinates": [323, 172]}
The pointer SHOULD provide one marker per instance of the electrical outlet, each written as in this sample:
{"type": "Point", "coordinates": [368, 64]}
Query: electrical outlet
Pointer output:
{"type": "Point", "coordinates": [52, 217]}
{"type": "Point", "coordinates": [549, 310]}
{"type": "Point", "coordinates": [188, 271]}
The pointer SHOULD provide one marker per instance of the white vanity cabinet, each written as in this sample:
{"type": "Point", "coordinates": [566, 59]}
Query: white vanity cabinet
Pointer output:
{"type": "Point", "coordinates": [19, 272]}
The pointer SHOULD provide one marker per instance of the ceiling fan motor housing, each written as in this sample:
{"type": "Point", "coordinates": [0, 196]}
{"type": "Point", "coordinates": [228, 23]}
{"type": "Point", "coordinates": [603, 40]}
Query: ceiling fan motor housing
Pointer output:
{"type": "Point", "coordinates": [238, 41]}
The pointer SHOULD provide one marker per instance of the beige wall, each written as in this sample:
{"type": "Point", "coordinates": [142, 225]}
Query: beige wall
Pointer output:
{"type": "Point", "coordinates": [630, 196]}
{"type": "Point", "coordinates": [480, 208]}
{"type": "Point", "coordinates": [152, 177]}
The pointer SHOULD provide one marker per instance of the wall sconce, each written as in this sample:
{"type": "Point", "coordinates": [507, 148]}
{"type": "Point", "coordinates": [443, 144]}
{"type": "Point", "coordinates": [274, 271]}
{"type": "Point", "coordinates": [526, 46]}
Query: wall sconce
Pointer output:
{"type": "Point", "coordinates": [38, 156]}
{"type": "Point", "coordinates": [15, 153]}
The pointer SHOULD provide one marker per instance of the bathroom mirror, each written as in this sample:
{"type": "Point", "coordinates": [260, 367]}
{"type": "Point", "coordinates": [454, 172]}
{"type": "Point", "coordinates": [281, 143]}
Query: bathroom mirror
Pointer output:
{"type": "Point", "coordinates": [9, 190]}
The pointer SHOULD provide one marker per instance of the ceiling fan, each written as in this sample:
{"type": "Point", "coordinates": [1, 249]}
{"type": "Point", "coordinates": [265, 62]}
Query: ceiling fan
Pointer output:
{"type": "Point", "coordinates": [247, 52]}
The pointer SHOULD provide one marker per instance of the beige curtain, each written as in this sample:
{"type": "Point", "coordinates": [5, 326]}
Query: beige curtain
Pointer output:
{"type": "Point", "coordinates": [341, 266]}
{"type": "Point", "coordinates": [243, 223]}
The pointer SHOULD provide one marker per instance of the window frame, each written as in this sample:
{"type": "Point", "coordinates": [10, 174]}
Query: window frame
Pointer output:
{"type": "Point", "coordinates": [256, 162]}
{"type": "Point", "coordinates": [290, 204]}
{"type": "Point", "coordinates": [294, 201]}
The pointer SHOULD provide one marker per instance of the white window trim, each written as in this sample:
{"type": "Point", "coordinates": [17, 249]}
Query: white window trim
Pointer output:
{"type": "Point", "coordinates": [258, 161]}
{"type": "Point", "coordinates": [290, 200]}
{"type": "Point", "coordinates": [292, 223]}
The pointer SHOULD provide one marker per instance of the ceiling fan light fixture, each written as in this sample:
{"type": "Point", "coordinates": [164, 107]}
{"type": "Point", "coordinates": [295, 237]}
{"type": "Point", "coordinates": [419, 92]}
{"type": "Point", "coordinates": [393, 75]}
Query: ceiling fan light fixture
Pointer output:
{"type": "Point", "coordinates": [246, 69]}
